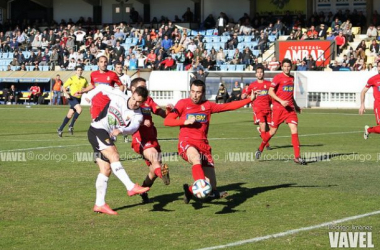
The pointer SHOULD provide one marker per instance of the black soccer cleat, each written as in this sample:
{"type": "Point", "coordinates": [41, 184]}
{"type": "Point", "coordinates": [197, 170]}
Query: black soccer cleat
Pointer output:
{"type": "Point", "coordinates": [300, 161]}
{"type": "Point", "coordinates": [188, 194]}
{"type": "Point", "coordinates": [60, 132]}
{"type": "Point", "coordinates": [71, 130]}
{"type": "Point", "coordinates": [258, 154]}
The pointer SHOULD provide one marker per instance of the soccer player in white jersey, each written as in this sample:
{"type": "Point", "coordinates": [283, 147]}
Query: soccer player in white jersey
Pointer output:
{"type": "Point", "coordinates": [124, 78]}
{"type": "Point", "coordinates": [121, 115]}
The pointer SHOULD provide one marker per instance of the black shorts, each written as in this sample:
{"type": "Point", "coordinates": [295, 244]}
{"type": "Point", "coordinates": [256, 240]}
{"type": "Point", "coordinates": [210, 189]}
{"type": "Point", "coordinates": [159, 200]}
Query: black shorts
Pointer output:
{"type": "Point", "coordinates": [73, 101]}
{"type": "Point", "coordinates": [99, 140]}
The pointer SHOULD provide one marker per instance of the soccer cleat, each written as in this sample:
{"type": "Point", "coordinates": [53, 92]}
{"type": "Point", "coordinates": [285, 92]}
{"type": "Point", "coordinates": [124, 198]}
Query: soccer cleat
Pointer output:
{"type": "Point", "coordinates": [366, 134]}
{"type": "Point", "coordinates": [215, 194]}
{"type": "Point", "coordinates": [188, 194]}
{"type": "Point", "coordinates": [126, 139]}
{"type": "Point", "coordinates": [258, 154]}
{"type": "Point", "coordinates": [105, 209]}
{"type": "Point", "coordinates": [71, 130]}
{"type": "Point", "coordinates": [300, 161]}
{"type": "Point", "coordinates": [60, 132]}
{"type": "Point", "coordinates": [165, 174]}
{"type": "Point", "coordinates": [145, 198]}
{"type": "Point", "coordinates": [137, 189]}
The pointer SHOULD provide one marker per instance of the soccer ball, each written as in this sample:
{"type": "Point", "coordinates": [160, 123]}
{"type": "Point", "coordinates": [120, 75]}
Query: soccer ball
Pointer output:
{"type": "Point", "coordinates": [201, 188]}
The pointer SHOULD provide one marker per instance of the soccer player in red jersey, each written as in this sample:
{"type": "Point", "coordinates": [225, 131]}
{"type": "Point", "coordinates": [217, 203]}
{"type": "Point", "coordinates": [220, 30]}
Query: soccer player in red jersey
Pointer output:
{"type": "Point", "coordinates": [373, 82]}
{"type": "Point", "coordinates": [284, 110]}
{"type": "Point", "coordinates": [145, 143]}
{"type": "Point", "coordinates": [102, 76]}
{"type": "Point", "coordinates": [194, 115]}
{"type": "Point", "coordinates": [261, 105]}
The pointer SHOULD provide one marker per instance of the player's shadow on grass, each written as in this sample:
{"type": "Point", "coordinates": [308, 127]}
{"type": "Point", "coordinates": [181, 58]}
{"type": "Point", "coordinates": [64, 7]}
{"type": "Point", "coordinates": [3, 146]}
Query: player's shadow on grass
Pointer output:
{"type": "Point", "coordinates": [290, 146]}
{"type": "Point", "coordinates": [327, 157]}
{"type": "Point", "coordinates": [244, 193]}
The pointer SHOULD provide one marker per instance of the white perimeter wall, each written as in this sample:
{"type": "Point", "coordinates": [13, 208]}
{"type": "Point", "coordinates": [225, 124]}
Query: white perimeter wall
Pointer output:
{"type": "Point", "coordinates": [73, 9]}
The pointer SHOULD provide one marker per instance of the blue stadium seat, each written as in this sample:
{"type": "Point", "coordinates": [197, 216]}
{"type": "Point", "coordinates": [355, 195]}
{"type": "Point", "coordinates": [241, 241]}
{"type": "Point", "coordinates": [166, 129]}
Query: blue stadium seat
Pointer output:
{"type": "Point", "coordinates": [193, 33]}
{"type": "Point", "coordinates": [128, 40]}
{"type": "Point", "coordinates": [29, 68]}
{"type": "Point", "coordinates": [223, 67]}
{"type": "Point", "coordinates": [216, 39]}
{"type": "Point", "coordinates": [210, 32]}
{"type": "Point", "coordinates": [4, 55]}
{"type": "Point", "coordinates": [241, 46]}
{"type": "Point", "coordinates": [44, 68]}
{"type": "Point", "coordinates": [208, 46]}
{"type": "Point", "coordinates": [256, 52]}
{"type": "Point", "coordinates": [87, 68]}
{"type": "Point", "coordinates": [202, 32]}
{"type": "Point", "coordinates": [231, 53]}
{"type": "Point", "coordinates": [94, 67]}
{"type": "Point", "coordinates": [247, 39]}
{"type": "Point", "coordinates": [134, 40]}
{"type": "Point", "coordinates": [3, 68]}
{"type": "Point", "coordinates": [224, 39]}
{"type": "Point", "coordinates": [207, 39]}
{"type": "Point", "coordinates": [240, 38]}
{"type": "Point", "coordinates": [110, 67]}
{"type": "Point", "coordinates": [231, 67]}
{"type": "Point", "coordinates": [240, 67]}
{"type": "Point", "coordinates": [272, 38]}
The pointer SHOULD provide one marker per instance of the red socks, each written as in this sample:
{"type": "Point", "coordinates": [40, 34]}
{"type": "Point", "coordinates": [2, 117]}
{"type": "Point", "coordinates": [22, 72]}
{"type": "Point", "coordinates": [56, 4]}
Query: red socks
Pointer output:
{"type": "Point", "coordinates": [198, 172]}
{"type": "Point", "coordinates": [296, 145]}
{"type": "Point", "coordinates": [265, 136]}
{"type": "Point", "coordinates": [375, 130]}
{"type": "Point", "coordinates": [158, 173]}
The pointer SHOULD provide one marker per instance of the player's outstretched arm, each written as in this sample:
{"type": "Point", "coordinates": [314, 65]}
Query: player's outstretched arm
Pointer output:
{"type": "Point", "coordinates": [362, 100]}
{"type": "Point", "coordinates": [172, 121]}
{"type": "Point", "coordinates": [133, 126]}
{"type": "Point", "coordinates": [217, 108]}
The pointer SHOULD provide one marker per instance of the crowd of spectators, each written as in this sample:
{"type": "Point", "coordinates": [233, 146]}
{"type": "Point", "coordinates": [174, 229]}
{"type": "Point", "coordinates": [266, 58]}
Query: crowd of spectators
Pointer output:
{"type": "Point", "coordinates": [170, 47]}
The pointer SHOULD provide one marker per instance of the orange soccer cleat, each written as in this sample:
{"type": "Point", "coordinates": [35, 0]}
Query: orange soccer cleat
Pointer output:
{"type": "Point", "coordinates": [105, 209]}
{"type": "Point", "coordinates": [137, 189]}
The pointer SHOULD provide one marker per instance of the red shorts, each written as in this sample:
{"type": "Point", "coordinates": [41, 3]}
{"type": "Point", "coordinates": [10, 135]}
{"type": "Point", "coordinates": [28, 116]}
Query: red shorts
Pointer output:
{"type": "Point", "coordinates": [376, 110]}
{"type": "Point", "coordinates": [280, 115]}
{"type": "Point", "coordinates": [203, 148]}
{"type": "Point", "coordinates": [262, 116]}
{"type": "Point", "coordinates": [139, 145]}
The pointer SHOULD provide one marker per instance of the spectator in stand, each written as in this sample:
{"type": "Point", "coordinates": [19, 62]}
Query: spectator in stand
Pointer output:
{"type": "Point", "coordinates": [22, 67]}
{"type": "Point", "coordinates": [199, 75]}
{"type": "Point", "coordinates": [72, 64]}
{"type": "Point", "coordinates": [220, 57]}
{"type": "Point", "coordinates": [209, 22]}
{"type": "Point", "coordinates": [336, 22]}
{"type": "Point", "coordinates": [150, 59]}
{"type": "Point", "coordinates": [340, 42]}
{"type": "Point", "coordinates": [12, 95]}
{"type": "Point", "coordinates": [118, 49]}
{"type": "Point", "coordinates": [312, 32]}
{"type": "Point", "coordinates": [352, 61]}
{"type": "Point", "coordinates": [371, 32]}
{"type": "Point", "coordinates": [188, 16]}
{"type": "Point", "coordinates": [233, 42]}
{"type": "Point", "coordinates": [302, 67]}
{"type": "Point", "coordinates": [359, 64]}
{"type": "Point", "coordinates": [247, 56]}
{"type": "Point", "coordinates": [274, 65]}
{"type": "Point", "coordinates": [35, 92]}
{"type": "Point", "coordinates": [344, 67]}
{"type": "Point", "coordinates": [322, 31]}
{"type": "Point", "coordinates": [291, 37]}
{"type": "Point", "coordinates": [133, 62]}
{"type": "Point", "coordinates": [19, 57]}
{"type": "Point", "coordinates": [334, 66]}
{"type": "Point", "coordinates": [221, 23]}
{"type": "Point", "coordinates": [345, 59]}
{"type": "Point", "coordinates": [262, 43]}
{"type": "Point", "coordinates": [208, 64]}
{"type": "Point", "coordinates": [278, 28]}
{"type": "Point", "coordinates": [310, 63]}
{"type": "Point", "coordinates": [166, 43]}
{"type": "Point", "coordinates": [222, 94]}
{"type": "Point", "coordinates": [13, 44]}
{"type": "Point", "coordinates": [360, 49]}
{"type": "Point", "coordinates": [237, 57]}
{"type": "Point", "coordinates": [374, 48]}
{"type": "Point", "coordinates": [192, 47]}
{"type": "Point", "coordinates": [168, 63]}
{"type": "Point", "coordinates": [57, 90]}
{"type": "Point", "coordinates": [140, 45]}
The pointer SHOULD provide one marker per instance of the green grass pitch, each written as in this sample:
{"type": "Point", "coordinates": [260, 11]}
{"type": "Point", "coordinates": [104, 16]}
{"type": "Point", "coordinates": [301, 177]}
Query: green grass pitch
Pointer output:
{"type": "Point", "coordinates": [46, 201]}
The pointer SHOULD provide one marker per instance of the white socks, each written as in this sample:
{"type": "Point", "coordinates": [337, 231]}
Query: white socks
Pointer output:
{"type": "Point", "coordinates": [120, 173]}
{"type": "Point", "coordinates": [101, 189]}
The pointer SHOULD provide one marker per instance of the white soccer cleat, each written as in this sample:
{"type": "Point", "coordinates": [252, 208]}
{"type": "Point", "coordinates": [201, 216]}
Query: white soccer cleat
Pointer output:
{"type": "Point", "coordinates": [366, 134]}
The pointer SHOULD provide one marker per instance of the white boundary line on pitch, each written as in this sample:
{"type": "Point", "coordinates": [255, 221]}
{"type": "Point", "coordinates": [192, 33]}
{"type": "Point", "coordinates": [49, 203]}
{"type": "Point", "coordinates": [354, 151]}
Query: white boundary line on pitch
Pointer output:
{"type": "Point", "coordinates": [305, 113]}
{"type": "Point", "coordinates": [290, 232]}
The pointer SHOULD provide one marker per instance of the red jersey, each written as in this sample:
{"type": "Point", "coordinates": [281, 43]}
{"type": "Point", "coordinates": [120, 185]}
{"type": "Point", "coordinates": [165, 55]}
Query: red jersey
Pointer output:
{"type": "Point", "coordinates": [100, 101]}
{"type": "Point", "coordinates": [147, 108]}
{"type": "Point", "coordinates": [263, 100]}
{"type": "Point", "coordinates": [35, 90]}
{"type": "Point", "coordinates": [374, 82]}
{"type": "Point", "coordinates": [283, 87]}
{"type": "Point", "coordinates": [198, 131]}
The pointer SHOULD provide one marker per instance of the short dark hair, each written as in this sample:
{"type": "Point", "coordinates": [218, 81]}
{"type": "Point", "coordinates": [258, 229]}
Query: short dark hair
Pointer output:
{"type": "Point", "coordinates": [260, 66]}
{"type": "Point", "coordinates": [199, 83]}
{"type": "Point", "coordinates": [143, 92]}
{"type": "Point", "coordinates": [118, 63]}
{"type": "Point", "coordinates": [286, 60]}
{"type": "Point", "coordinates": [78, 67]}
{"type": "Point", "coordinates": [135, 81]}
